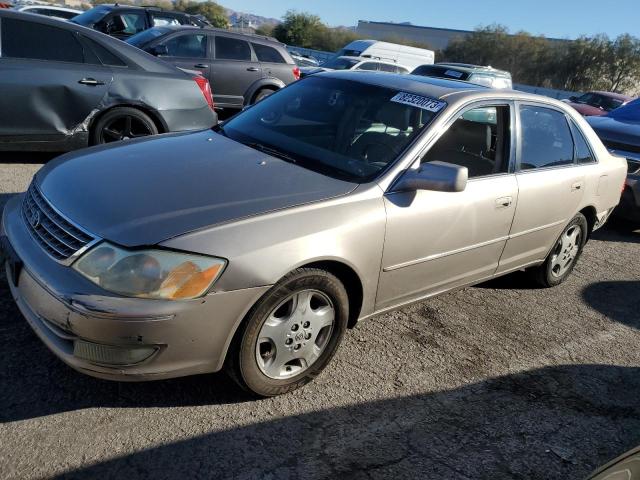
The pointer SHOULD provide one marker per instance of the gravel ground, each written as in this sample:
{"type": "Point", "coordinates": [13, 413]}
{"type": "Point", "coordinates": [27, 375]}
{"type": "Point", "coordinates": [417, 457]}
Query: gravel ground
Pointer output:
{"type": "Point", "coordinates": [495, 381]}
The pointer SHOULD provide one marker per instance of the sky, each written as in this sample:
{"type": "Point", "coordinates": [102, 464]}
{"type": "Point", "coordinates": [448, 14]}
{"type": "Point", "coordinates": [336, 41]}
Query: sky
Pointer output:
{"type": "Point", "coordinates": [552, 18]}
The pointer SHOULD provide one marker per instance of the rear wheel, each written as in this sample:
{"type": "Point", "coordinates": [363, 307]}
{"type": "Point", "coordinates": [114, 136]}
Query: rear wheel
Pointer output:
{"type": "Point", "coordinates": [264, 93]}
{"type": "Point", "coordinates": [291, 334]}
{"type": "Point", "coordinates": [122, 123]}
{"type": "Point", "coordinates": [564, 255]}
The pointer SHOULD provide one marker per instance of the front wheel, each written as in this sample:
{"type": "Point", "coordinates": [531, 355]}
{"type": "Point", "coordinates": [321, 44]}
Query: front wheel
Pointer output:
{"type": "Point", "coordinates": [291, 334]}
{"type": "Point", "coordinates": [564, 255]}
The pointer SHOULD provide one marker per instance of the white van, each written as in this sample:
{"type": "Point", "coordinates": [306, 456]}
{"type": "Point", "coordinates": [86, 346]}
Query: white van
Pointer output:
{"type": "Point", "coordinates": [410, 57]}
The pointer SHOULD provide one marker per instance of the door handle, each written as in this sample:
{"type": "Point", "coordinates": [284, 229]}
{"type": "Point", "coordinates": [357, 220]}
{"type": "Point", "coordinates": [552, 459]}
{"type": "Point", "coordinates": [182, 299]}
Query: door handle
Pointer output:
{"type": "Point", "coordinates": [504, 202]}
{"type": "Point", "coordinates": [201, 65]}
{"type": "Point", "coordinates": [253, 69]}
{"type": "Point", "coordinates": [576, 186]}
{"type": "Point", "coordinates": [91, 81]}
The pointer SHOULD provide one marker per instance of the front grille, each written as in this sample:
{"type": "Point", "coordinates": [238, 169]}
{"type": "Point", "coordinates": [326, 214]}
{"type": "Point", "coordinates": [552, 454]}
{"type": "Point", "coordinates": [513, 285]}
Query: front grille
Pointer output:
{"type": "Point", "coordinates": [55, 234]}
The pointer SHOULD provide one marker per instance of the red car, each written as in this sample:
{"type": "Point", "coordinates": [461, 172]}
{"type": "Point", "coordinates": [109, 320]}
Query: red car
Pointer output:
{"type": "Point", "coordinates": [593, 104]}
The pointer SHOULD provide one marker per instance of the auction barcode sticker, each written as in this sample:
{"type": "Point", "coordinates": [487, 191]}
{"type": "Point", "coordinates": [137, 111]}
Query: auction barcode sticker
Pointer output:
{"type": "Point", "coordinates": [419, 101]}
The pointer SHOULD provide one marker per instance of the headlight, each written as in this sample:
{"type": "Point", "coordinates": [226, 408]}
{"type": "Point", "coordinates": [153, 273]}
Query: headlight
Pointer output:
{"type": "Point", "coordinates": [149, 273]}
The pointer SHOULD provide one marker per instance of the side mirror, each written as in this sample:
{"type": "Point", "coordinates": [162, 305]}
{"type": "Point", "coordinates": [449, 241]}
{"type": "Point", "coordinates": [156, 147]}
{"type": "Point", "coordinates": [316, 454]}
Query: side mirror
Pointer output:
{"type": "Point", "coordinates": [159, 50]}
{"type": "Point", "coordinates": [435, 176]}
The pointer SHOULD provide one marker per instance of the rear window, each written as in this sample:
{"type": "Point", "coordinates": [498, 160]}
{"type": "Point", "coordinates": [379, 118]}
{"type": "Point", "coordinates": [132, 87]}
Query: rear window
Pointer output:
{"type": "Point", "coordinates": [141, 39]}
{"type": "Point", "coordinates": [104, 55]}
{"type": "Point", "coordinates": [267, 54]}
{"type": "Point", "coordinates": [37, 41]}
{"type": "Point", "coordinates": [232, 49]}
{"type": "Point", "coordinates": [91, 17]}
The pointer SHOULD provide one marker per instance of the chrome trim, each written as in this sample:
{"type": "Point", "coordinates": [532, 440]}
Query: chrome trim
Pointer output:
{"type": "Point", "coordinates": [443, 254]}
{"type": "Point", "coordinates": [470, 247]}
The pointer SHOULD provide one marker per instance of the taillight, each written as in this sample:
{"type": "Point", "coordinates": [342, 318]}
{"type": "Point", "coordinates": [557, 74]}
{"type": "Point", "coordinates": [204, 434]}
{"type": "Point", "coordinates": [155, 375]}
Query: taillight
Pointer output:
{"type": "Point", "coordinates": [205, 88]}
{"type": "Point", "coordinates": [296, 73]}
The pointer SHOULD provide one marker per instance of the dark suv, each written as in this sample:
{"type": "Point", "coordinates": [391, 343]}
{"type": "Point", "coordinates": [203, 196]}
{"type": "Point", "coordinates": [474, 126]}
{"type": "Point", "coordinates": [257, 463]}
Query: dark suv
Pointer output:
{"type": "Point", "coordinates": [123, 21]}
{"type": "Point", "coordinates": [241, 68]}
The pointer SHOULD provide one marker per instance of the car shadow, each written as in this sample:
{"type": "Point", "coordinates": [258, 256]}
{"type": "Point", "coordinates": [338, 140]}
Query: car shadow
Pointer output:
{"type": "Point", "coordinates": [555, 422]}
{"type": "Point", "coordinates": [618, 300]}
{"type": "Point", "coordinates": [618, 231]}
{"type": "Point", "coordinates": [27, 157]}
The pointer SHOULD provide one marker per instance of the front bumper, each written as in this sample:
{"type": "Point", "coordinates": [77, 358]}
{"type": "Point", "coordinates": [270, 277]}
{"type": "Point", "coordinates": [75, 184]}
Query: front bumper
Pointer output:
{"type": "Point", "coordinates": [67, 311]}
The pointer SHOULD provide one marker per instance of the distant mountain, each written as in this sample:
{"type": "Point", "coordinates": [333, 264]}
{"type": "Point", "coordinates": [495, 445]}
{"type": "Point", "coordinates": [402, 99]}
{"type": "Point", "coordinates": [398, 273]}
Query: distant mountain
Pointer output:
{"type": "Point", "coordinates": [249, 19]}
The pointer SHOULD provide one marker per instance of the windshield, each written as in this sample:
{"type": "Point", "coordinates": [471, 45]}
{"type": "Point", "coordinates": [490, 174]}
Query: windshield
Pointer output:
{"type": "Point", "coordinates": [629, 112]}
{"type": "Point", "coordinates": [340, 63]}
{"type": "Point", "coordinates": [91, 17]}
{"type": "Point", "coordinates": [141, 39]}
{"type": "Point", "coordinates": [342, 128]}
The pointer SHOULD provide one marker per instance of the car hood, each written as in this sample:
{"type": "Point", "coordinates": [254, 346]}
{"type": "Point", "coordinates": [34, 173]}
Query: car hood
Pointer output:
{"type": "Point", "coordinates": [612, 130]}
{"type": "Point", "coordinates": [145, 191]}
{"type": "Point", "coordinates": [587, 110]}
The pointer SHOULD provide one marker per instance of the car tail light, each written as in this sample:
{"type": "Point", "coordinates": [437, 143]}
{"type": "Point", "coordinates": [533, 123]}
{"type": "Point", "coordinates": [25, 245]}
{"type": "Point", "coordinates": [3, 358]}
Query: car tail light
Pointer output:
{"type": "Point", "coordinates": [296, 73]}
{"type": "Point", "coordinates": [205, 88]}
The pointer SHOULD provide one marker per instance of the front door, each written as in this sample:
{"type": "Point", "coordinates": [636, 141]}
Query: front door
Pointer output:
{"type": "Point", "coordinates": [437, 240]}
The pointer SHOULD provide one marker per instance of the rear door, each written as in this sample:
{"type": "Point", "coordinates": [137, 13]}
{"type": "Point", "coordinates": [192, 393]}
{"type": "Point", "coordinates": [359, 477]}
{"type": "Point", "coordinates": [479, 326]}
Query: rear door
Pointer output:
{"type": "Point", "coordinates": [47, 88]}
{"type": "Point", "coordinates": [272, 62]}
{"type": "Point", "coordinates": [233, 70]}
{"type": "Point", "coordinates": [189, 50]}
{"type": "Point", "coordinates": [551, 184]}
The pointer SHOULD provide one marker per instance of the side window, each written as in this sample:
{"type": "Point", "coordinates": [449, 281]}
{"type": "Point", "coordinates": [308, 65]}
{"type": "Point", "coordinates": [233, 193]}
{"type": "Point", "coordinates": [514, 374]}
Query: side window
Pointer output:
{"type": "Point", "coordinates": [232, 49]}
{"type": "Point", "coordinates": [162, 21]}
{"type": "Point", "coordinates": [479, 140]}
{"type": "Point", "coordinates": [384, 67]}
{"type": "Point", "coordinates": [545, 137]}
{"type": "Point", "coordinates": [583, 152]}
{"type": "Point", "coordinates": [267, 54]}
{"type": "Point", "coordinates": [187, 46]}
{"type": "Point", "coordinates": [103, 55]}
{"type": "Point", "coordinates": [401, 70]}
{"type": "Point", "coordinates": [368, 66]}
{"type": "Point", "coordinates": [34, 40]}
{"type": "Point", "coordinates": [129, 23]}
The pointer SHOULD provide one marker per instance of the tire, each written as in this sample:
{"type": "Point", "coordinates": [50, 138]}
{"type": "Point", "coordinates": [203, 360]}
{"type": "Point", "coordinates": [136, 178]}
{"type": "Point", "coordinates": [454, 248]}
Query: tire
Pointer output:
{"type": "Point", "coordinates": [285, 326]}
{"type": "Point", "coordinates": [122, 123]}
{"type": "Point", "coordinates": [262, 93]}
{"type": "Point", "coordinates": [564, 255]}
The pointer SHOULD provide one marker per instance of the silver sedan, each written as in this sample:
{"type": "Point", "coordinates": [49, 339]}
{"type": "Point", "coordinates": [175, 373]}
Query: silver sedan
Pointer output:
{"type": "Point", "coordinates": [255, 245]}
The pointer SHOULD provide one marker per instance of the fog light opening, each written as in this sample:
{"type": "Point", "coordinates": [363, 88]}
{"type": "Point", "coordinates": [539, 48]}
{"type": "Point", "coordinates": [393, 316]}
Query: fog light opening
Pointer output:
{"type": "Point", "coordinates": [110, 355]}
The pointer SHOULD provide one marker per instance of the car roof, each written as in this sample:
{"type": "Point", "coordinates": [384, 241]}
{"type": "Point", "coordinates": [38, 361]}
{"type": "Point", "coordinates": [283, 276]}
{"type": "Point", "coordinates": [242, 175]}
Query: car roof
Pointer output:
{"type": "Point", "coordinates": [48, 7]}
{"type": "Point", "coordinates": [436, 87]}
{"type": "Point", "coordinates": [247, 36]}
{"type": "Point", "coordinates": [470, 68]}
{"type": "Point", "coordinates": [369, 59]}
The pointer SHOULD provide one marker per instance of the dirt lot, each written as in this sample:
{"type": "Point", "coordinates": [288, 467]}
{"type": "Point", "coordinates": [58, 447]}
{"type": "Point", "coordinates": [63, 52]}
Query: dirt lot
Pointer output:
{"type": "Point", "coordinates": [495, 381]}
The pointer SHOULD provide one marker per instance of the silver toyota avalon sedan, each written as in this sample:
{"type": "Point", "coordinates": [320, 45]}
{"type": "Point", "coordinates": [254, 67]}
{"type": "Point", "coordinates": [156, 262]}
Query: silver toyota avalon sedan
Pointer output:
{"type": "Point", "coordinates": [255, 245]}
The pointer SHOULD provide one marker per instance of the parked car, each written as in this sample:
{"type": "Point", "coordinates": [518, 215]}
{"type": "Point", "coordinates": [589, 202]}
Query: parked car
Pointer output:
{"type": "Point", "coordinates": [625, 467]}
{"type": "Point", "coordinates": [242, 68]}
{"type": "Point", "coordinates": [487, 76]}
{"type": "Point", "coordinates": [598, 103]}
{"type": "Point", "coordinates": [65, 87]}
{"type": "Point", "coordinates": [254, 246]}
{"type": "Point", "coordinates": [303, 60]}
{"type": "Point", "coordinates": [410, 57]}
{"type": "Point", "coordinates": [354, 63]}
{"type": "Point", "coordinates": [619, 130]}
{"type": "Point", "coordinates": [63, 13]}
{"type": "Point", "coordinates": [123, 21]}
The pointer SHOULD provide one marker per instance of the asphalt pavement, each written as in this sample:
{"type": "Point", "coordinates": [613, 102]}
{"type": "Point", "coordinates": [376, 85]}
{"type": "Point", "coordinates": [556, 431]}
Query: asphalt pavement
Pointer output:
{"type": "Point", "coordinates": [496, 381]}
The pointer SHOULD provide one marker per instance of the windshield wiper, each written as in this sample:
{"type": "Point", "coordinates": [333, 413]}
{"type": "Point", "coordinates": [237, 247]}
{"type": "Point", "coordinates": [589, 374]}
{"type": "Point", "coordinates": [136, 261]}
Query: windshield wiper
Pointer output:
{"type": "Point", "coordinates": [272, 151]}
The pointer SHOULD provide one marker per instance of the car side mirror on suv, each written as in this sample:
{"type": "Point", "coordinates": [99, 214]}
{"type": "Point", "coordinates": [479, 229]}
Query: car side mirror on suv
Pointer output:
{"type": "Point", "coordinates": [435, 176]}
{"type": "Point", "coordinates": [159, 50]}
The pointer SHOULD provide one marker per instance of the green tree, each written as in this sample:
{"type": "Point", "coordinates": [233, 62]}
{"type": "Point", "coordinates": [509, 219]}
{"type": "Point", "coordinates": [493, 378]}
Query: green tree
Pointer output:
{"type": "Point", "coordinates": [298, 29]}
{"type": "Point", "coordinates": [213, 12]}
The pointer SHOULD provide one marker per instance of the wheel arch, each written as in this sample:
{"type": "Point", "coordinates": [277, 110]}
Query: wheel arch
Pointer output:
{"type": "Point", "coordinates": [591, 215]}
{"type": "Point", "coordinates": [267, 82]}
{"type": "Point", "coordinates": [151, 112]}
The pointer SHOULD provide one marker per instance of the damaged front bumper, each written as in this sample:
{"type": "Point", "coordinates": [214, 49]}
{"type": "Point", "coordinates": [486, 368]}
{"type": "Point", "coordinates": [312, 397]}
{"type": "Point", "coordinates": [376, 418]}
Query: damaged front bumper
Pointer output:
{"type": "Point", "coordinates": [113, 337]}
